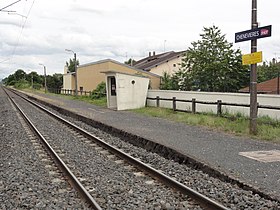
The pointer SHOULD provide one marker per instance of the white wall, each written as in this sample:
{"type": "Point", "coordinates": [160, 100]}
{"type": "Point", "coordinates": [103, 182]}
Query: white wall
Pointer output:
{"type": "Point", "coordinates": [131, 96]}
{"type": "Point", "coordinates": [271, 100]}
{"type": "Point", "coordinates": [67, 81]}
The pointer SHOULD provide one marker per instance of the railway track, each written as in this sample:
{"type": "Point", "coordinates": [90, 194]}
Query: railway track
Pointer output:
{"type": "Point", "coordinates": [89, 148]}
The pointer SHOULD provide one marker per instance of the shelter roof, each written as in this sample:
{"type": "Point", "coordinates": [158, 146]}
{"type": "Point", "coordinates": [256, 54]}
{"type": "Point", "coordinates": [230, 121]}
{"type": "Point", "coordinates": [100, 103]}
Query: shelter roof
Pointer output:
{"type": "Point", "coordinates": [119, 63]}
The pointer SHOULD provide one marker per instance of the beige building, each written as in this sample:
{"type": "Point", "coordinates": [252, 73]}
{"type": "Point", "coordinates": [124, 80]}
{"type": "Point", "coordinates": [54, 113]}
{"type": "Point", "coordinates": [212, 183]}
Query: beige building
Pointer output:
{"type": "Point", "coordinates": [90, 75]}
{"type": "Point", "coordinates": [168, 62]}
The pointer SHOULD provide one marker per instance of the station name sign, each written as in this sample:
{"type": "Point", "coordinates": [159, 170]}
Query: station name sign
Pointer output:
{"type": "Point", "coordinates": [253, 34]}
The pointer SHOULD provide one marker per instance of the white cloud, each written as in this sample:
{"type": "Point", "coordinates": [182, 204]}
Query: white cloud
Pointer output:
{"type": "Point", "coordinates": [120, 29]}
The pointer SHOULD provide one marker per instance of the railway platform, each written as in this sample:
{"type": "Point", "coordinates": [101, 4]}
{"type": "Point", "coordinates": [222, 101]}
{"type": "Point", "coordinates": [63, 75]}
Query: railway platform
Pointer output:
{"type": "Point", "coordinates": [254, 162]}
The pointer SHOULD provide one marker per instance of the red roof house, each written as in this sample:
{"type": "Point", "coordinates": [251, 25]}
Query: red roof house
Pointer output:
{"type": "Point", "coordinates": [266, 87]}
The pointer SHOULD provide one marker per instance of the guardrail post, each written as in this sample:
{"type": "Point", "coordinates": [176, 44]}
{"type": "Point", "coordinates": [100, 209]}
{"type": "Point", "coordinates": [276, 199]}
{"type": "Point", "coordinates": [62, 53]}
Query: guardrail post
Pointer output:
{"type": "Point", "coordinates": [157, 101]}
{"type": "Point", "coordinates": [219, 107]}
{"type": "Point", "coordinates": [193, 106]}
{"type": "Point", "coordinates": [174, 104]}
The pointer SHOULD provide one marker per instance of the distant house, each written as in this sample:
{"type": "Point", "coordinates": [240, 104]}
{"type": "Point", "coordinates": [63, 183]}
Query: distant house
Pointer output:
{"type": "Point", "coordinates": [90, 75]}
{"type": "Point", "coordinates": [159, 63]}
{"type": "Point", "coordinates": [266, 87]}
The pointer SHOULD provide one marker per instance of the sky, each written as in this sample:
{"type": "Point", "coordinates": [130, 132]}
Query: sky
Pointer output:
{"type": "Point", "coordinates": [37, 31]}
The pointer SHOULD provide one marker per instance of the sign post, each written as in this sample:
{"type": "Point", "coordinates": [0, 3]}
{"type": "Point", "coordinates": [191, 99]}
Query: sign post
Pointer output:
{"type": "Point", "coordinates": [253, 76]}
{"type": "Point", "coordinates": [252, 59]}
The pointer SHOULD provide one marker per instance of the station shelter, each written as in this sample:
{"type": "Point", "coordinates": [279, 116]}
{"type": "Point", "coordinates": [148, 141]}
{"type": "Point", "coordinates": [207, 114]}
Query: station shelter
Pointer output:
{"type": "Point", "coordinates": [126, 91]}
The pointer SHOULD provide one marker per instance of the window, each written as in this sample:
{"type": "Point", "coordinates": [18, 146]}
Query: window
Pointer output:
{"type": "Point", "coordinates": [174, 65]}
{"type": "Point", "coordinates": [113, 86]}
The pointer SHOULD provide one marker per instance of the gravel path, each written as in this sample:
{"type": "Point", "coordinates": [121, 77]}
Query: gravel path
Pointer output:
{"type": "Point", "coordinates": [24, 179]}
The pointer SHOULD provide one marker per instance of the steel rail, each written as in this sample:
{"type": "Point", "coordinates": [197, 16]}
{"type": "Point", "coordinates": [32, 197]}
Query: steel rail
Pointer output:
{"type": "Point", "coordinates": [205, 201]}
{"type": "Point", "coordinates": [72, 178]}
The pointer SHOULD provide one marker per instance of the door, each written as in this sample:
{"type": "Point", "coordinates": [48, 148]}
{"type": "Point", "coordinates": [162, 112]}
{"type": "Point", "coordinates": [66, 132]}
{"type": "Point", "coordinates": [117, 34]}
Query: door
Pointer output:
{"type": "Point", "coordinates": [112, 92]}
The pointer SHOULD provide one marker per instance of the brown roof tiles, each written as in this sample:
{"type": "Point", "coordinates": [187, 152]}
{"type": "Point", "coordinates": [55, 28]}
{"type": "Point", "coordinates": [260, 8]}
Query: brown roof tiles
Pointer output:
{"type": "Point", "coordinates": [268, 87]}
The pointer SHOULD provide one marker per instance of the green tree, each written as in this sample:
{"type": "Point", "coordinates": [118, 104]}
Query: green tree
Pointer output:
{"type": "Point", "coordinates": [99, 92]}
{"type": "Point", "coordinates": [55, 81]}
{"type": "Point", "coordinates": [37, 79]}
{"type": "Point", "coordinates": [169, 82]}
{"type": "Point", "coordinates": [130, 62]}
{"type": "Point", "coordinates": [211, 64]}
{"type": "Point", "coordinates": [19, 75]}
{"type": "Point", "coordinates": [71, 64]}
{"type": "Point", "coordinates": [268, 71]}
{"type": "Point", "coordinates": [12, 79]}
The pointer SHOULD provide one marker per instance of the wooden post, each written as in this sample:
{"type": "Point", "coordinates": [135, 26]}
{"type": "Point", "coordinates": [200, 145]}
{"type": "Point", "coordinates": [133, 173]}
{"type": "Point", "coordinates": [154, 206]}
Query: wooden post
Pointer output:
{"type": "Point", "coordinates": [257, 108]}
{"type": "Point", "coordinates": [193, 106]}
{"type": "Point", "coordinates": [157, 101]}
{"type": "Point", "coordinates": [174, 104]}
{"type": "Point", "coordinates": [219, 107]}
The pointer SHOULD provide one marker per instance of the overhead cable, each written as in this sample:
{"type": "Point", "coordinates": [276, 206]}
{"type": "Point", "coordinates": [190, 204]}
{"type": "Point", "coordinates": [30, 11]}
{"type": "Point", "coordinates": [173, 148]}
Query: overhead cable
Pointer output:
{"type": "Point", "coordinates": [3, 9]}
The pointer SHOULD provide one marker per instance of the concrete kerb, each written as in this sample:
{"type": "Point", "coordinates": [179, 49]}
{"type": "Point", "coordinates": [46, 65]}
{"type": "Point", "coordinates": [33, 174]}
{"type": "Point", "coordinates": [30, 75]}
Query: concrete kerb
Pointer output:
{"type": "Point", "coordinates": [168, 153]}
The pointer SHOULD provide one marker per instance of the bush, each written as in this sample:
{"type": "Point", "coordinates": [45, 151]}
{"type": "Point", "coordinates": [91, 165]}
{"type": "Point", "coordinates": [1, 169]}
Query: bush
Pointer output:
{"type": "Point", "coordinates": [21, 84]}
{"type": "Point", "coordinates": [99, 92]}
{"type": "Point", "coordinates": [37, 86]}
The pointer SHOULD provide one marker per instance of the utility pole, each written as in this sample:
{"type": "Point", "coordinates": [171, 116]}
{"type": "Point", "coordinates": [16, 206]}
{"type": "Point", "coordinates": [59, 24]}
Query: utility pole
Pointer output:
{"type": "Point", "coordinates": [253, 76]}
{"type": "Point", "coordinates": [32, 81]}
{"type": "Point", "coordinates": [45, 76]}
{"type": "Point", "coordinates": [76, 76]}
{"type": "Point", "coordinates": [45, 79]}
{"type": "Point", "coordinates": [75, 68]}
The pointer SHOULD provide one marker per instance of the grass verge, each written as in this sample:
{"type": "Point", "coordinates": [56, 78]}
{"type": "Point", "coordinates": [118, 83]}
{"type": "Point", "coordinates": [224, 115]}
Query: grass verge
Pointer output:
{"type": "Point", "coordinates": [268, 129]}
{"type": "Point", "coordinates": [98, 102]}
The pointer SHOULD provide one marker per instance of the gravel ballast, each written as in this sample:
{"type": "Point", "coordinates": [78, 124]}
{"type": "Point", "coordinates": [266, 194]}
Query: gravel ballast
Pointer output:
{"type": "Point", "coordinates": [215, 150]}
{"type": "Point", "coordinates": [115, 184]}
{"type": "Point", "coordinates": [231, 195]}
{"type": "Point", "coordinates": [25, 181]}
